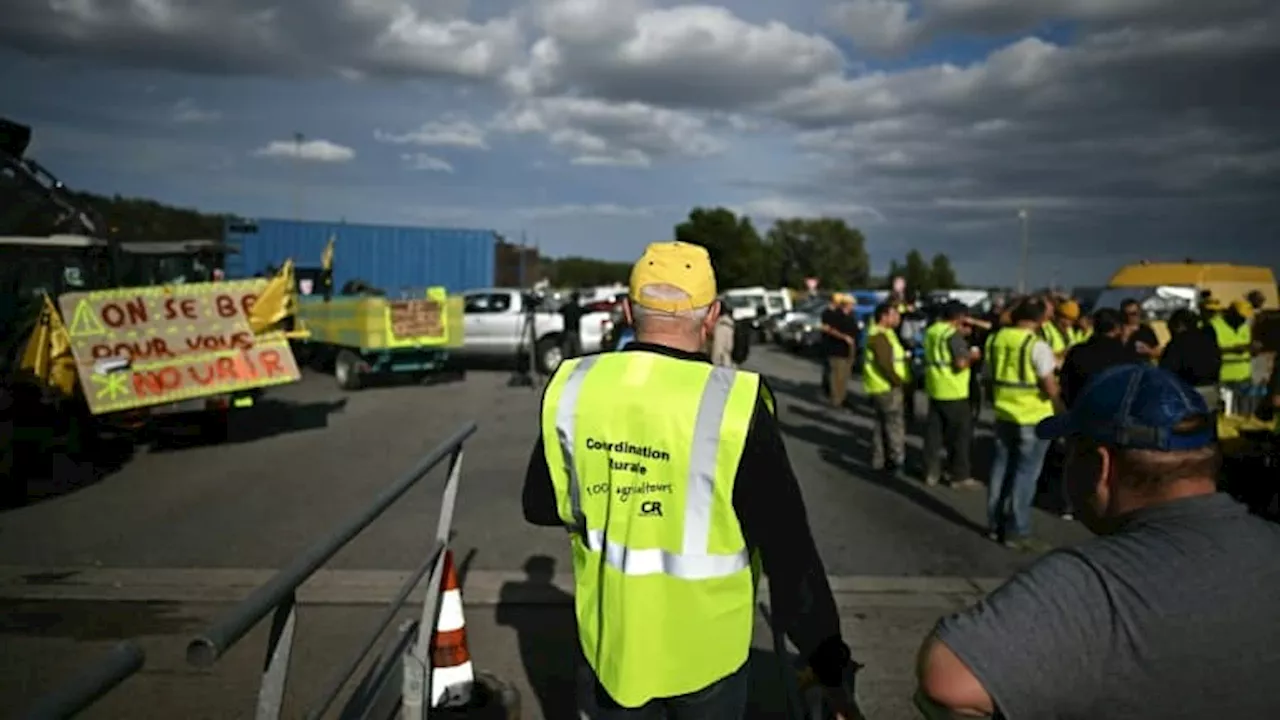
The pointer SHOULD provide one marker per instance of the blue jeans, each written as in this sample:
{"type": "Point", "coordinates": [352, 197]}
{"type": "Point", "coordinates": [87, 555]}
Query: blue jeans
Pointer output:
{"type": "Point", "coordinates": [724, 699]}
{"type": "Point", "coordinates": [1015, 471]}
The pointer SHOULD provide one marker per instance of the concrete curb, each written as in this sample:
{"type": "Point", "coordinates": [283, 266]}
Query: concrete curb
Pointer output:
{"type": "Point", "coordinates": [376, 587]}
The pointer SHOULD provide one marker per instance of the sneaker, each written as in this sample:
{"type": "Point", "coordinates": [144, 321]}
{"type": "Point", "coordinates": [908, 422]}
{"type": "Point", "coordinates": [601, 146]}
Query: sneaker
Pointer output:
{"type": "Point", "coordinates": [1068, 516]}
{"type": "Point", "coordinates": [931, 480]}
{"type": "Point", "coordinates": [966, 484]}
{"type": "Point", "coordinates": [993, 536]}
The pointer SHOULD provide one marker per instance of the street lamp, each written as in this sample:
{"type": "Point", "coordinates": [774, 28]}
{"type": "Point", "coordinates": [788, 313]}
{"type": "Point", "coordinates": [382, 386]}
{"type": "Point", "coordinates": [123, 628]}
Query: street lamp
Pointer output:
{"type": "Point", "coordinates": [1025, 217]}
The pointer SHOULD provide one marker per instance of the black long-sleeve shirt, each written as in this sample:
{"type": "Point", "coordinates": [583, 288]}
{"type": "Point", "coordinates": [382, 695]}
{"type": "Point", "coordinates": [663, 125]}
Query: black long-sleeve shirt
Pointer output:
{"type": "Point", "coordinates": [770, 508]}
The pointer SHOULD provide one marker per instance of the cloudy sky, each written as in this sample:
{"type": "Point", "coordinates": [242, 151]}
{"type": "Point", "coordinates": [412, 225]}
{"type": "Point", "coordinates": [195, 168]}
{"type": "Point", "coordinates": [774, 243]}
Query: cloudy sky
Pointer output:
{"type": "Point", "coordinates": [1130, 129]}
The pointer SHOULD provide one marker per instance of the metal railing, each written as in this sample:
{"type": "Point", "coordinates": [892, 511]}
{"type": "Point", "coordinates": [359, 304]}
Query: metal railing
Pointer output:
{"type": "Point", "coordinates": [122, 661]}
{"type": "Point", "coordinates": [381, 691]}
{"type": "Point", "coordinates": [376, 695]}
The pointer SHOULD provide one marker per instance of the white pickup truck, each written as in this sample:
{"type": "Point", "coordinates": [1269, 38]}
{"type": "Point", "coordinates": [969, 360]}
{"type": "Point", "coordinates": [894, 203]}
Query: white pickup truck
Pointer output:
{"type": "Point", "coordinates": [495, 317]}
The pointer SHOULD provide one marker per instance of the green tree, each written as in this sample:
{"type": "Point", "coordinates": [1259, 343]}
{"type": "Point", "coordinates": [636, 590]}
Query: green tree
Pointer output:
{"type": "Point", "coordinates": [576, 272]}
{"type": "Point", "coordinates": [736, 251]}
{"type": "Point", "coordinates": [917, 273]}
{"type": "Point", "coordinates": [825, 248]}
{"type": "Point", "coordinates": [941, 275]}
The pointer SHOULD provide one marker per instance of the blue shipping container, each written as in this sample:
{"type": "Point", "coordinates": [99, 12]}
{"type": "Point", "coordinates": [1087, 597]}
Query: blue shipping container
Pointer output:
{"type": "Point", "coordinates": [395, 259]}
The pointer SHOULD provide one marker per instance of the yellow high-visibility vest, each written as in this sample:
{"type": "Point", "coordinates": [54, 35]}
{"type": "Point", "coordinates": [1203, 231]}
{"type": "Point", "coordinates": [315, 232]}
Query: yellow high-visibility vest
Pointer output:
{"type": "Point", "coordinates": [941, 380]}
{"type": "Point", "coordinates": [873, 381]}
{"type": "Point", "coordinates": [643, 451]}
{"type": "Point", "coordinates": [1237, 365]}
{"type": "Point", "coordinates": [1017, 397]}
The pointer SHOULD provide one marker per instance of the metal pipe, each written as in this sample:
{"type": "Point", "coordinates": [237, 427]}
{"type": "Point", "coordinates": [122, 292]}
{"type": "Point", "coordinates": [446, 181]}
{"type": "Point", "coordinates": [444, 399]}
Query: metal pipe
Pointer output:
{"type": "Point", "coordinates": [205, 649]}
{"type": "Point", "coordinates": [123, 660]}
{"type": "Point", "coordinates": [340, 678]}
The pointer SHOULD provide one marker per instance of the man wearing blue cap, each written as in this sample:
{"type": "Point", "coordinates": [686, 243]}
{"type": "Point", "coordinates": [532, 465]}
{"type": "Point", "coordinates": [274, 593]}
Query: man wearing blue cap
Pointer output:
{"type": "Point", "coordinates": [1173, 612]}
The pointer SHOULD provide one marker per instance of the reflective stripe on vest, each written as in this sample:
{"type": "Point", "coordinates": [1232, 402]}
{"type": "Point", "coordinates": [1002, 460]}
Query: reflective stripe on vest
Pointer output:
{"type": "Point", "coordinates": [1017, 397]}
{"type": "Point", "coordinates": [941, 380]}
{"type": "Point", "coordinates": [873, 381]}
{"type": "Point", "coordinates": [1237, 365]}
{"type": "Point", "coordinates": [1053, 336]}
{"type": "Point", "coordinates": [644, 458]}
{"type": "Point", "coordinates": [693, 563]}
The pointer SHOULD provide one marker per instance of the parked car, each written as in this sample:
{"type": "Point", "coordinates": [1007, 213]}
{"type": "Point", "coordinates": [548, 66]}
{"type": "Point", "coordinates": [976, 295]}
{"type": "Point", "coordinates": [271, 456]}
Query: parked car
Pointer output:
{"type": "Point", "coordinates": [494, 327]}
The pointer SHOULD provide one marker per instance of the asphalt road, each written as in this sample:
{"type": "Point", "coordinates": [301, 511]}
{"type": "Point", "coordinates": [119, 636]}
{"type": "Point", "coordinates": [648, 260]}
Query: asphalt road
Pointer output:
{"type": "Point", "coordinates": [311, 455]}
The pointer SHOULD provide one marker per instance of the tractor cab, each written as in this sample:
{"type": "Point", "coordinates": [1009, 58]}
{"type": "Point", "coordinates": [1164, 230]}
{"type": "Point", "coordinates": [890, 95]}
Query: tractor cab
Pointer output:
{"type": "Point", "coordinates": [144, 264]}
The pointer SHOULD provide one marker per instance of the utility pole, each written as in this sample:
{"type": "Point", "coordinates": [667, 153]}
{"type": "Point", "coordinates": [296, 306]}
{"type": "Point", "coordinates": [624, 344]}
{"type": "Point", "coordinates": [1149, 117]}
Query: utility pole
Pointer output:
{"type": "Point", "coordinates": [297, 180]}
{"type": "Point", "coordinates": [1025, 217]}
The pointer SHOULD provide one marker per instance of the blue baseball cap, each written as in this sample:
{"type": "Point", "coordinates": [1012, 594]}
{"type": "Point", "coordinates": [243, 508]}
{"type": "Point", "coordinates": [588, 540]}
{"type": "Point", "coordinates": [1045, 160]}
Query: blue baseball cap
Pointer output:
{"type": "Point", "coordinates": [1137, 407]}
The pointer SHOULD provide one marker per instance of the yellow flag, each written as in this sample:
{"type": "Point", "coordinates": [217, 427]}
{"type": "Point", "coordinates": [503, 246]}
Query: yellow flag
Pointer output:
{"type": "Point", "coordinates": [326, 257]}
{"type": "Point", "coordinates": [277, 301]}
{"type": "Point", "coordinates": [47, 355]}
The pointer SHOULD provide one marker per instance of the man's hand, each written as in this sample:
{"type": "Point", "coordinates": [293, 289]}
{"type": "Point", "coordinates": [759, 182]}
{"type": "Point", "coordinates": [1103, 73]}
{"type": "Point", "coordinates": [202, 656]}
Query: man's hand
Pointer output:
{"type": "Point", "coordinates": [841, 703]}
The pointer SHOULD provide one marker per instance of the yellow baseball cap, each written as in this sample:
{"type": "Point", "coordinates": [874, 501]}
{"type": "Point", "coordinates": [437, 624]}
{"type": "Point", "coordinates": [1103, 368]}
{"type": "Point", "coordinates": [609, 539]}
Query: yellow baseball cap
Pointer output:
{"type": "Point", "coordinates": [1243, 308]}
{"type": "Point", "coordinates": [679, 265]}
{"type": "Point", "coordinates": [1212, 304]}
{"type": "Point", "coordinates": [1069, 310]}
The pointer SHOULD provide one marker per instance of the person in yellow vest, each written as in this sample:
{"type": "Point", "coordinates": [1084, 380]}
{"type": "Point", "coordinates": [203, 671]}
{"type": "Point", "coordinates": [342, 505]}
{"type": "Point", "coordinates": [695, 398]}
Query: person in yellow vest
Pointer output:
{"type": "Point", "coordinates": [947, 360]}
{"type": "Point", "coordinates": [885, 373]}
{"type": "Point", "coordinates": [1021, 369]}
{"type": "Point", "coordinates": [1234, 333]}
{"type": "Point", "coordinates": [1062, 332]}
{"type": "Point", "coordinates": [671, 477]}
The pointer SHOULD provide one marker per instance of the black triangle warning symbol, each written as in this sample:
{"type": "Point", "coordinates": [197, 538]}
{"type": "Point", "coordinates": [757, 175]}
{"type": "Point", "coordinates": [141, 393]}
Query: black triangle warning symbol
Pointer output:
{"type": "Point", "coordinates": [85, 323]}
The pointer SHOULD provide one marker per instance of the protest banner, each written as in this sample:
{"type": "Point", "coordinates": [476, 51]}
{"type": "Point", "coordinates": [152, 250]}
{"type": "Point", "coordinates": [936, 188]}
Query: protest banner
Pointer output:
{"type": "Point", "coordinates": [136, 347]}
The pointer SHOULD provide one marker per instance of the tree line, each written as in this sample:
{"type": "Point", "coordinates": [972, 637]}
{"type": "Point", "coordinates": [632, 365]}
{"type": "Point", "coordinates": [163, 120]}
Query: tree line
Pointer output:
{"type": "Point", "coordinates": [790, 252]}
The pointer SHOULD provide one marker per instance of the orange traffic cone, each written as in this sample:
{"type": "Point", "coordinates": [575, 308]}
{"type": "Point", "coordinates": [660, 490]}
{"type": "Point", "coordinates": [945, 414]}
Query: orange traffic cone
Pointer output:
{"type": "Point", "coordinates": [452, 676]}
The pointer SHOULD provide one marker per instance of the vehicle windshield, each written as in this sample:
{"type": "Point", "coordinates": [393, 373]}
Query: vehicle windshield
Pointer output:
{"type": "Point", "coordinates": [737, 302]}
{"type": "Point", "coordinates": [147, 270]}
{"type": "Point", "coordinates": [1158, 301]}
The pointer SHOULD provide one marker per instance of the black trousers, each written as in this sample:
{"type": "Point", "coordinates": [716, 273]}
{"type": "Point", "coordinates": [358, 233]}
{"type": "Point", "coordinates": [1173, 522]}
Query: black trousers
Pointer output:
{"type": "Point", "coordinates": [949, 428]}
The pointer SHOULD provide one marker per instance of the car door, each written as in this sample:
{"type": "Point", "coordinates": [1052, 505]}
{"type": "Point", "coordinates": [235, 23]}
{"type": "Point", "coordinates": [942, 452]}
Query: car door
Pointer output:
{"type": "Point", "coordinates": [488, 323]}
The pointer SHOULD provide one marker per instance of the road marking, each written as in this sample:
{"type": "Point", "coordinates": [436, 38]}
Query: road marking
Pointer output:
{"type": "Point", "coordinates": [375, 587]}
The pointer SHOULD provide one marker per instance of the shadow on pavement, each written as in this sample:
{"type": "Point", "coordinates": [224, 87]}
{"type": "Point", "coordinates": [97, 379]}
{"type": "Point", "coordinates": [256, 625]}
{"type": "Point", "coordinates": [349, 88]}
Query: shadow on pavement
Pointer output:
{"type": "Point", "coordinates": [837, 447]}
{"type": "Point", "coordinates": [268, 418]}
{"type": "Point", "coordinates": [543, 618]}
{"type": "Point", "coordinates": [84, 621]}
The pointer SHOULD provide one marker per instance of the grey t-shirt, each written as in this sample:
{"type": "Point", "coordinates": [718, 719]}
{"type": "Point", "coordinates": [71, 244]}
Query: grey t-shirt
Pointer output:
{"type": "Point", "coordinates": [1175, 616]}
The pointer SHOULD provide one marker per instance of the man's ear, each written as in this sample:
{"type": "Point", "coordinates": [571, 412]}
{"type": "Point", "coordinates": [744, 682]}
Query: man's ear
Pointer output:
{"type": "Point", "coordinates": [1104, 484]}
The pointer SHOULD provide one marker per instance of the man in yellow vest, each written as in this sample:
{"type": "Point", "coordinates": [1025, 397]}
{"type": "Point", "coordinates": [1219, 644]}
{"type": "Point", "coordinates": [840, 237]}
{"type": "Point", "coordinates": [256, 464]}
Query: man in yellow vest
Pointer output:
{"type": "Point", "coordinates": [671, 477]}
{"type": "Point", "coordinates": [947, 359]}
{"type": "Point", "coordinates": [1022, 368]}
{"type": "Point", "coordinates": [1062, 332]}
{"type": "Point", "coordinates": [885, 373]}
{"type": "Point", "coordinates": [1234, 333]}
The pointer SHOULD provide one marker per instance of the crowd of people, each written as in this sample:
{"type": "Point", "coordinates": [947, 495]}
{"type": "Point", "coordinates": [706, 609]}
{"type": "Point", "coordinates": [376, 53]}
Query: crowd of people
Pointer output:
{"type": "Point", "coordinates": [1032, 358]}
{"type": "Point", "coordinates": [1169, 613]}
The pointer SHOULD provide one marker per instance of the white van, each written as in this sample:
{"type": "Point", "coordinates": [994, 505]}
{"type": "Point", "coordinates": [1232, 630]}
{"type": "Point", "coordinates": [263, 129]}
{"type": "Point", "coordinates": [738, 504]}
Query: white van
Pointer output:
{"type": "Point", "coordinates": [744, 302]}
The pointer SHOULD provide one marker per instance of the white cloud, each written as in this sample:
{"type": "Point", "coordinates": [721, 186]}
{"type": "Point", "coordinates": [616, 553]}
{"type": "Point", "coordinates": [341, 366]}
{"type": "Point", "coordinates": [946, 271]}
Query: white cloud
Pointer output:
{"type": "Point", "coordinates": [186, 111]}
{"type": "Point", "coordinates": [309, 150]}
{"type": "Point", "coordinates": [447, 133]}
{"type": "Point", "coordinates": [572, 211]}
{"type": "Point", "coordinates": [597, 132]}
{"type": "Point", "coordinates": [688, 55]}
{"type": "Point", "coordinates": [427, 163]}
{"type": "Point", "coordinates": [781, 208]}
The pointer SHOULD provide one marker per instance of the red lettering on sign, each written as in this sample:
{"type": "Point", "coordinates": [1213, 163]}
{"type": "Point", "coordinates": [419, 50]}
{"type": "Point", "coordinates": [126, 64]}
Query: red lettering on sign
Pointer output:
{"type": "Point", "coordinates": [152, 348]}
{"type": "Point", "coordinates": [270, 360]}
{"type": "Point", "coordinates": [201, 379]}
{"type": "Point", "coordinates": [158, 382]}
{"type": "Point", "coordinates": [226, 305]}
{"type": "Point", "coordinates": [133, 312]}
{"type": "Point", "coordinates": [185, 307]}
{"type": "Point", "coordinates": [235, 341]}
